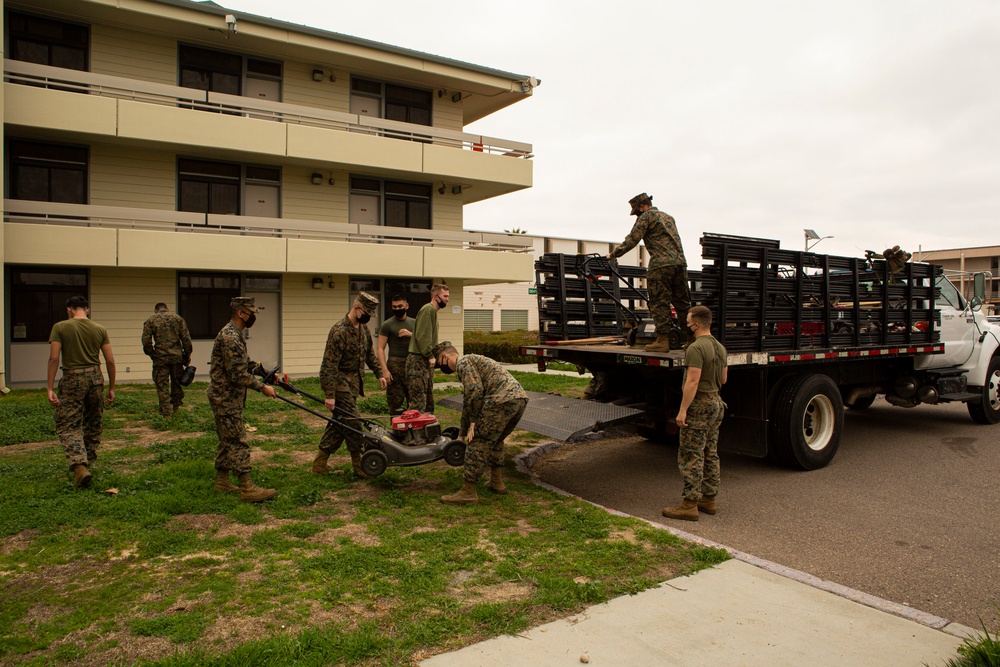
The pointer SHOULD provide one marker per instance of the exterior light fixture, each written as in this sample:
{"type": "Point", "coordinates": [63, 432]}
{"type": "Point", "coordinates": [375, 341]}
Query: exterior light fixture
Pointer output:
{"type": "Point", "coordinates": [456, 190]}
{"type": "Point", "coordinates": [441, 189]}
{"type": "Point", "coordinates": [317, 75]}
{"type": "Point", "coordinates": [811, 235]}
{"type": "Point", "coordinates": [317, 283]}
{"type": "Point", "coordinates": [457, 97]}
{"type": "Point", "coordinates": [317, 178]}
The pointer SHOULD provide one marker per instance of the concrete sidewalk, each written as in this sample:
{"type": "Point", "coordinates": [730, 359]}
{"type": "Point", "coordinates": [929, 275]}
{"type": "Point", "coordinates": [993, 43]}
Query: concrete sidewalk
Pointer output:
{"type": "Point", "coordinates": [733, 614]}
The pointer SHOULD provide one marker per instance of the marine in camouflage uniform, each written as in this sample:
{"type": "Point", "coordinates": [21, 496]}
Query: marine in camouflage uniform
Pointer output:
{"type": "Point", "coordinates": [341, 375]}
{"type": "Point", "coordinates": [230, 377]}
{"type": "Point", "coordinates": [420, 360]}
{"type": "Point", "coordinates": [700, 417]}
{"type": "Point", "coordinates": [166, 340]}
{"type": "Point", "coordinates": [666, 278]}
{"type": "Point", "coordinates": [492, 406]}
{"type": "Point", "coordinates": [79, 342]}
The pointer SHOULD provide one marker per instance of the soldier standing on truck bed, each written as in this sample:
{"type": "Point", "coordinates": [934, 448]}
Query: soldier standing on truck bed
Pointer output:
{"type": "Point", "coordinates": [666, 279]}
{"type": "Point", "coordinates": [699, 417]}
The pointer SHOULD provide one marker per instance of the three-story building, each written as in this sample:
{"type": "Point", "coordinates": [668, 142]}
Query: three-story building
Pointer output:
{"type": "Point", "coordinates": [177, 151]}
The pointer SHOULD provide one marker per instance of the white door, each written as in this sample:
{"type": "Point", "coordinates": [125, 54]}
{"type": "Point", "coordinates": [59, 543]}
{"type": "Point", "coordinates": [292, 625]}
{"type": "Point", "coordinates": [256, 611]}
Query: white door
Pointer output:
{"type": "Point", "coordinates": [364, 210]}
{"type": "Point", "coordinates": [958, 331]}
{"type": "Point", "coordinates": [264, 337]}
{"type": "Point", "coordinates": [261, 201]}
{"type": "Point", "coordinates": [263, 89]}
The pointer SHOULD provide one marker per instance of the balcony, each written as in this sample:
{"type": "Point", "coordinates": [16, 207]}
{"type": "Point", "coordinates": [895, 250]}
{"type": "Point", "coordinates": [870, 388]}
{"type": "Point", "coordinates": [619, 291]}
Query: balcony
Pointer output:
{"type": "Point", "coordinates": [144, 113]}
{"type": "Point", "coordinates": [83, 235]}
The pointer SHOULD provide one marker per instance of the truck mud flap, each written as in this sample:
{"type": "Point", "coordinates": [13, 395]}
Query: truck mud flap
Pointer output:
{"type": "Point", "coordinates": [561, 418]}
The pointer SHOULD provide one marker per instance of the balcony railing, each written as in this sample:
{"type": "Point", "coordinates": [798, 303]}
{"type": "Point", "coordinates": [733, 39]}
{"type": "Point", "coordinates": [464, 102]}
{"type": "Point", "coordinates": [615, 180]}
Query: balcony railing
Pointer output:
{"type": "Point", "coordinates": [84, 215]}
{"type": "Point", "coordinates": [16, 71]}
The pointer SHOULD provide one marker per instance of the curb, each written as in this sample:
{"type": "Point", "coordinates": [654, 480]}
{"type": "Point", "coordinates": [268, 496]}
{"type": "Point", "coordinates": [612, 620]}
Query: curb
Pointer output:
{"type": "Point", "coordinates": [526, 461]}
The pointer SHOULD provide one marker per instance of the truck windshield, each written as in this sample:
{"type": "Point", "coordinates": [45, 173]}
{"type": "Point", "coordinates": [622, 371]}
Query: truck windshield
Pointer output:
{"type": "Point", "coordinates": [950, 294]}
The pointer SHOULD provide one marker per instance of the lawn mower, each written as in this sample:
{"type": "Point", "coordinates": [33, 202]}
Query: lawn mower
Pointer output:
{"type": "Point", "coordinates": [413, 439]}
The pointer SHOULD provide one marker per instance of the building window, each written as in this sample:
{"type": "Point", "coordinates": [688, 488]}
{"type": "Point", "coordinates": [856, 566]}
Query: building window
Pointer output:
{"type": "Point", "coordinates": [47, 172]}
{"type": "Point", "coordinates": [478, 320]}
{"type": "Point", "coordinates": [203, 301]}
{"type": "Point", "coordinates": [391, 203]}
{"type": "Point", "coordinates": [391, 101]}
{"type": "Point", "coordinates": [218, 187]}
{"type": "Point", "coordinates": [416, 292]}
{"type": "Point", "coordinates": [513, 319]}
{"type": "Point", "coordinates": [38, 299]}
{"type": "Point", "coordinates": [45, 41]}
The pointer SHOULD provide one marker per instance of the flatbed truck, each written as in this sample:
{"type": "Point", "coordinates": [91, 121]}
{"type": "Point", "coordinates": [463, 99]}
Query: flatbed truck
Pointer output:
{"type": "Point", "coordinates": [808, 335]}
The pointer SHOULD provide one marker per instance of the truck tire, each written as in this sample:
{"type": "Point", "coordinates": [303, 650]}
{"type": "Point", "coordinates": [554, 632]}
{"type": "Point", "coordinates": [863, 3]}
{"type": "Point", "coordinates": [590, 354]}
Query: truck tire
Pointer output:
{"type": "Point", "coordinates": [807, 420]}
{"type": "Point", "coordinates": [987, 411]}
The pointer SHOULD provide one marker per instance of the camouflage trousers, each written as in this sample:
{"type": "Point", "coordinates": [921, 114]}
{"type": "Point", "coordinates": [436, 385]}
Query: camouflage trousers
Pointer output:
{"type": "Point", "coordinates": [167, 378]}
{"type": "Point", "coordinates": [698, 454]}
{"type": "Point", "coordinates": [668, 285]}
{"type": "Point", "coordinates": [233, 452]}
{"type": "Point", "coordinates": [396, 391]}
{"type": "Point", "coordinates": [335, 434]}
{"type": "Point", "coordinates": [79, 414]}
{"type": "Point", "coordinates": [419, 383]}
{"type": "Point", "coordinates": [493, 426]}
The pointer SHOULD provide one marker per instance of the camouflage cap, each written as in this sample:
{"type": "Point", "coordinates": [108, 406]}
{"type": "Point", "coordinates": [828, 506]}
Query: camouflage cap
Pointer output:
{"type": "Point", "coordinates": [368, 303]}
{"type": "Point", "coordinates": [638, 201]}
{"type": "Point", "coordinates": [440, 347]}
{"type": "Point", "coordinates": [244, 302]}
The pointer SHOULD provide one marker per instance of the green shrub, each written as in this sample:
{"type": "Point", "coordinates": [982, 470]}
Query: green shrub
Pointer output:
{"type": "Point", "coordinates": [502, 346]}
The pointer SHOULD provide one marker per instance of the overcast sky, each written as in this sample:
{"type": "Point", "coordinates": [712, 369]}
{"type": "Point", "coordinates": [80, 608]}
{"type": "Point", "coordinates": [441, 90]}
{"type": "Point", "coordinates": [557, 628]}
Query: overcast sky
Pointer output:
{"type": "Point", "coordinates": [874, 121]}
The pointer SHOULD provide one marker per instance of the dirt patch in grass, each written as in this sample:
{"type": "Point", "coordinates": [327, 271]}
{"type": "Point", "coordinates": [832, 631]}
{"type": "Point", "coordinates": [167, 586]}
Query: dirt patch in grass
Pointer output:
{"type": "Point", "coordinates": [126, 648]}
{"type": "Point", "coordinates": [144, 436]}
{"type": "Point", "coordinates": [507, 591]}
{"type": "Point", "coordinates": [18, 542]}
{"type": "Point", "coordinates": [220, 526]}
{"type": "Point", "coordinates": [355, 532]}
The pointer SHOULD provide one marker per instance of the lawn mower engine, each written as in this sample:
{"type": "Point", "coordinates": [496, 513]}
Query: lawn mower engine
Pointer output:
{"type": "Point", "coordinates": [416, 428]}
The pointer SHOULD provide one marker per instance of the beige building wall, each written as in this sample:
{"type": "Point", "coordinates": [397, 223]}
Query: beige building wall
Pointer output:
{"type": "Point", "coordinates": [132, 54]}
{"type": "Point", "coordinates": [133, 178]}
{"type": "Point", "coordinates": [498, 297]}
{"type": "Point", "coordinates": [306, 318]}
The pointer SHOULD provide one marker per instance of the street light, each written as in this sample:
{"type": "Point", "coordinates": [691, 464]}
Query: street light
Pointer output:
{"type": "Point", "coordinates": [811, 235]}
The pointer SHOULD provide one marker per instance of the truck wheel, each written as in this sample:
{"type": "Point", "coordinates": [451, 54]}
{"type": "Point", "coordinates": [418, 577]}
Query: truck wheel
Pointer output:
{"type": "Point", "coordinates": [808, 417]}
{"type": "Point", "coordinates": [987, 411]}
{"type": "Point", "coordinates": [373, 462]}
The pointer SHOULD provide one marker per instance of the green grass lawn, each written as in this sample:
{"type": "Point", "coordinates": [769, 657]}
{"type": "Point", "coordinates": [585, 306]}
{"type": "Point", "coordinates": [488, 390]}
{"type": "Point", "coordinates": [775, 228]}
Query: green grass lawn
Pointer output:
{"type": "Point", "coordinates": [334, 570]}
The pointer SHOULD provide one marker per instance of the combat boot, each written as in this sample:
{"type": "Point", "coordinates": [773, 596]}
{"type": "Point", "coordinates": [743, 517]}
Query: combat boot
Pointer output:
{"type": "Point", "coordinates": [81, 476]}
{"type": "Point", "coordinates": [707, 505]}
{"type": "Point", "coordinates": [250, 493]}
{"type": "Point", "coordinates": [661, 344]}
{"type": "Point", "coordinates": [496, 484]}
{"type": "Point", "coordinates": [467, 495]}
{"type": "Point", "coordinates": [356, 464]}
{"type": "Point", "coordinates": [687, 510]}
{"type": "Point", "coordinates": [222, 482]}
{"type": "Point", "coordinates": [319, 463]}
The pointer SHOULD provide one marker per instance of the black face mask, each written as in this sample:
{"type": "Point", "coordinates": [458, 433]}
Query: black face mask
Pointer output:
{"type": "Point", "coordinates": [440, 303]}
{"type": "Point", "coordinates": [446, 369]}
{"type": "Point", "coordinates": [364, 318]}
{"type": "Point", "coordinates": [251, 320]}
{"type": "Point", "coordinates": [400, 313]}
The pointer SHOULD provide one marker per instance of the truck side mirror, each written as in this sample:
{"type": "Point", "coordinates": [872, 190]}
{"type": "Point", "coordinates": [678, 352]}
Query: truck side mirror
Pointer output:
{"type": "Point", "coordinates": [979, 286]}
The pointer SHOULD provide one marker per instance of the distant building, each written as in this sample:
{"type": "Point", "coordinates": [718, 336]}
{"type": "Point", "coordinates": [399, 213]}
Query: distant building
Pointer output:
{"type": "Point", "coordinates": [506, 306]}
{"type": "Point", "coordinates": [178, 151]}
{"type": "Point", "coordinates": [960, 263]}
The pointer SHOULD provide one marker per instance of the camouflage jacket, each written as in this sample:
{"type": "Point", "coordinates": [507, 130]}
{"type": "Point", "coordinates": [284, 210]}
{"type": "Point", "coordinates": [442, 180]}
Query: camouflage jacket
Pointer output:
{"type": "Point", "coordinates": [165, 338]}
{"type": "Point", "coordinates": [230, 372]}
{"type": "Point", "coordinates": [485, 384]}
{"type": "Point", "coordinates": [348, 348]}
{"type": "Point", "coordinates": [659, 231]}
